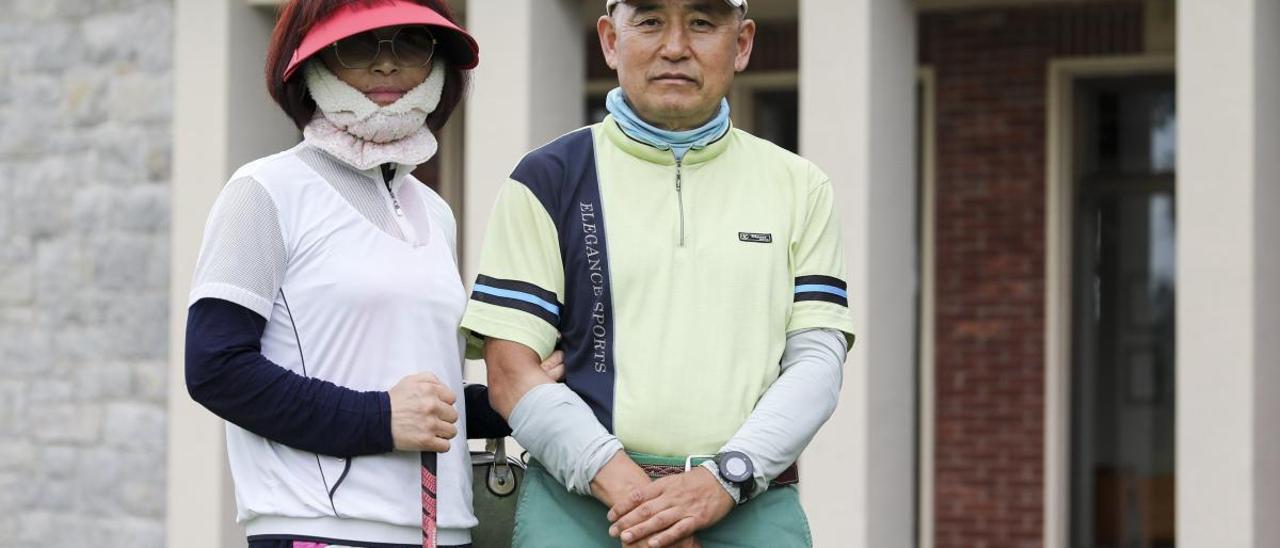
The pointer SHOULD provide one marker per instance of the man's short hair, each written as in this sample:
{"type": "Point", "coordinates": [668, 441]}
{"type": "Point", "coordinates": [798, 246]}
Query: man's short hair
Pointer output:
{"type": "Point", "coordinates": [740, 4]}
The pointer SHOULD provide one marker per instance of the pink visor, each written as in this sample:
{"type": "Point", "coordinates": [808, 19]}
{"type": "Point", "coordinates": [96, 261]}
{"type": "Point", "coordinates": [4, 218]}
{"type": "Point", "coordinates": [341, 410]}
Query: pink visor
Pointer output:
{"type": "Point", "coordinates": [355, 18]}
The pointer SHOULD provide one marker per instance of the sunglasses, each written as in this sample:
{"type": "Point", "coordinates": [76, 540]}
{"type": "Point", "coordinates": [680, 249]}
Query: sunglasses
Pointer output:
{"type": "Point", "coordinates": [411, 47]}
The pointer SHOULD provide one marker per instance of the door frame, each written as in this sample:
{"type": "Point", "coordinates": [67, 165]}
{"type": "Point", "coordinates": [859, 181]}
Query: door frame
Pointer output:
{"type": "Point", "coordinates": [927, 395]}
{"type": "Point", "coordinates": [1059, 226]}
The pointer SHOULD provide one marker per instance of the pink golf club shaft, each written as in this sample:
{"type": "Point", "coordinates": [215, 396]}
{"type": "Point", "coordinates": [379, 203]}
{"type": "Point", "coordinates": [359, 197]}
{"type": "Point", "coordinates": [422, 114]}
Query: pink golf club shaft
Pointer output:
{"type": "Point", "coordinates": [428, 500]}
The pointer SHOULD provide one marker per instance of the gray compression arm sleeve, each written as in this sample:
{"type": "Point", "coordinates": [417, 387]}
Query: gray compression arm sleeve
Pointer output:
{"type": "Point", "coordinates": [795, 406]}
{"type": "Point", "coordinates": [559, 430]}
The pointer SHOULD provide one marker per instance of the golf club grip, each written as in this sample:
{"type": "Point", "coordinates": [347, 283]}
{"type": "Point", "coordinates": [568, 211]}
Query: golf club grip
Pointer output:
{"type": "Point", "coordinates": [429, 502]}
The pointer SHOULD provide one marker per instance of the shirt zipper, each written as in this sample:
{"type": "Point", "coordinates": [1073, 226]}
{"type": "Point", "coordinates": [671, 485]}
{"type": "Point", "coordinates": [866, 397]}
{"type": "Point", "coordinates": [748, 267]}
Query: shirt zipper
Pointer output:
{"type": "Point", "coordinates": [406, 229]}
{"type": "Point", "coordinates": [394, 201]}
{"type": "Point", "coordinates": [680, 196]}
{"type": "Point", "coordinates": [387, 175]}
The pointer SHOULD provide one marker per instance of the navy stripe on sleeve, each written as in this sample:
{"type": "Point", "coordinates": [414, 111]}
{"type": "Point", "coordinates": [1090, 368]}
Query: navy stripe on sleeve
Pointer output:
{"type": "Point", "coordinates": [529, 289]}
{"type": "Point", "coordinates": [822, 288]}
{"type": "Point", "coordinates": [518, 295]}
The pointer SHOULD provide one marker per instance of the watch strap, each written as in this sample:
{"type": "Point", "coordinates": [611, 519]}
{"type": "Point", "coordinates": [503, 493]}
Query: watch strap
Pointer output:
{"type": "Point", "coordinates": [734, 491]}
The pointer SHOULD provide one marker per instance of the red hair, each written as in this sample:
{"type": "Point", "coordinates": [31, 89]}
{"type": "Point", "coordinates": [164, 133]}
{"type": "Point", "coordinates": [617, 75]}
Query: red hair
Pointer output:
{"type": "Point", "coordinates": [295, 19]}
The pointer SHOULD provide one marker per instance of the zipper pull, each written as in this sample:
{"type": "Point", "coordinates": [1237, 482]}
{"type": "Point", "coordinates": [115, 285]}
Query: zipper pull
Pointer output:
{"type": "Point", "coordinates": [389, 173]}
{"type": "Point", "coordinates": [680, 195]}
{"type": "Point", "coordinates": [394, 201]}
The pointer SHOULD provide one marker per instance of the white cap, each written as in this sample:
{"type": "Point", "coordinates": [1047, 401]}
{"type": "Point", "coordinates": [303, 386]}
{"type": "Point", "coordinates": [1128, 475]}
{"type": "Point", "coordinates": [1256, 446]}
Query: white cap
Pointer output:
{"type": "Point", "coordinates": [609, 4]}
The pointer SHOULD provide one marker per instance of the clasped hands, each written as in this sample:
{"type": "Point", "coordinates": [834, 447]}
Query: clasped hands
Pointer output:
{"type": "Point", "coordinates": [667, 511]}
{"type": "Point", "coordinates": [422, 413]}
{"type": "Point", "coordinates": [644, 513]}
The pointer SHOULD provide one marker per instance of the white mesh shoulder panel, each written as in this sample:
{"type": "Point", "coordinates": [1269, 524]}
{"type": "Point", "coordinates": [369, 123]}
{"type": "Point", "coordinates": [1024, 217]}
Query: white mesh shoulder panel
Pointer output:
{"type": "Point", "coordinates": [243, 258]}
{"type": "Point", "coordinates": [354, 187]}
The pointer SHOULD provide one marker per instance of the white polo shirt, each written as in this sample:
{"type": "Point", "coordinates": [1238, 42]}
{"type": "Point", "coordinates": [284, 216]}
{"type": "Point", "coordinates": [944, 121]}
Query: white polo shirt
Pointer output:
{"type": "Point", "coordinates": [358, 292]}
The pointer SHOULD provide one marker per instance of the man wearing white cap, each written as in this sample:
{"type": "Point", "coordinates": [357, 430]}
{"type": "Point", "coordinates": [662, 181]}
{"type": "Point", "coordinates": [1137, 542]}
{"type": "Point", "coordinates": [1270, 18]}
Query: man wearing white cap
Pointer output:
{"type": "Point", "coordinates": [693, 275]}
{"type": "Point", "coordinates": [609, 4]}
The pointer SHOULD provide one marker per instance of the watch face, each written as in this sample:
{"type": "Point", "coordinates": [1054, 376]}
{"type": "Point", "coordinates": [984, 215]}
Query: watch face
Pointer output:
{"type": "Point", "coordinates": [735, 467]}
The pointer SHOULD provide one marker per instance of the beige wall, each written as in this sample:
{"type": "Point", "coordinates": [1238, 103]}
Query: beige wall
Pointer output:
{"type": "Point", "coordinates": [1228, 304]}
{"type": "Point", "coordinates": [1266, 211]}
{"type": "Point", "coordinates": [527, 91]}
{"type": "Point", "coordinates": [856, 112]}
{"type": "Point", "coordinates": [219, 109]}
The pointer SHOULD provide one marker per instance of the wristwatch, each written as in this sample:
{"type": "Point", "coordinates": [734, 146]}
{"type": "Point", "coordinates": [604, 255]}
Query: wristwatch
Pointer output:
{"type": "Point", "coordinates": [735, 467]}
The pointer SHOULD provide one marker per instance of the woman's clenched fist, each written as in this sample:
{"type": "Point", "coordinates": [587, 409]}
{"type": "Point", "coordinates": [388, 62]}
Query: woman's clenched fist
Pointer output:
{"type": "Point", "coordinates": [422, 414]}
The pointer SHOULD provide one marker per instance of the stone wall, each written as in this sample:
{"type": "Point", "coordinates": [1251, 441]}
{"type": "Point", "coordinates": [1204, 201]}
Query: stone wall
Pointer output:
{"type": "Point", "coordinates": [85, 122]}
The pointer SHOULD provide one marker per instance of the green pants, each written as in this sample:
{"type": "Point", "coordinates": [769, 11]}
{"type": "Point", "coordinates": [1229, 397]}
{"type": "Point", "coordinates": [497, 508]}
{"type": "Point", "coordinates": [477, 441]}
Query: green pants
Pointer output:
{"type": "Point", "coordinates": [549, 516]}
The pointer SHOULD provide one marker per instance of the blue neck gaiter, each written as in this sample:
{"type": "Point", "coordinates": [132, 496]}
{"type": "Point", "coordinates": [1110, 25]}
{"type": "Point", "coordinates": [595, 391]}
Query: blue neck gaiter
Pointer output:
{"type": "Point", "coordinates": [678, 142]}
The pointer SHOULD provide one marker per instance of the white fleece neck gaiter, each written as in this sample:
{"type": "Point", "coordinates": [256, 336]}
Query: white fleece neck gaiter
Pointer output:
{"type": "Point", "coordinates": [354, 129]}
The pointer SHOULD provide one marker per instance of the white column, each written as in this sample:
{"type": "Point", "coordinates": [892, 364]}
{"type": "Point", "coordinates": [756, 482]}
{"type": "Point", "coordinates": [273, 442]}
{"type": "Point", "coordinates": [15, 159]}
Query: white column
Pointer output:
{"type": "Point", "coordinates": [1228, 274]}
{"type": "Point", "coordinates": [222, 118]}
{"type": "Point", "coordinates": [857, 122]}
{"type": "Point", "coordinates": [527, 91]}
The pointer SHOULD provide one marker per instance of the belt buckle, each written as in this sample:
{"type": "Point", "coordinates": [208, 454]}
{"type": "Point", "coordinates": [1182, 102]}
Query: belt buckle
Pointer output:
{"type": "Point", "coordinates": [688, 461]}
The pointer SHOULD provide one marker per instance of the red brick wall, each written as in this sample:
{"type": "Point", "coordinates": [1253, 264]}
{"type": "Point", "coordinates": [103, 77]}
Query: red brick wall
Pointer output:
{"type": "Point", "coordinates": [990, 67]}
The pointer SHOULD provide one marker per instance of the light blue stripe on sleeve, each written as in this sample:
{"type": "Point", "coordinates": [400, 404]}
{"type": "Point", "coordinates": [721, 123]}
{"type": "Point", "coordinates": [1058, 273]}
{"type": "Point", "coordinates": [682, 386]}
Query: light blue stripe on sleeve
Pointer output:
{"type": "Point", "coordinates": [822, 289]}
{"type": "Point", "coordinates": [519, 296]}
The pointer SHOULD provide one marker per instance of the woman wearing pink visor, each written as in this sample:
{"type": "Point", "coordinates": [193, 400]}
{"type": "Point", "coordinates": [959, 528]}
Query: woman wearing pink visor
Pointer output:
{"type": "Point", "coordinates": [323, 319]}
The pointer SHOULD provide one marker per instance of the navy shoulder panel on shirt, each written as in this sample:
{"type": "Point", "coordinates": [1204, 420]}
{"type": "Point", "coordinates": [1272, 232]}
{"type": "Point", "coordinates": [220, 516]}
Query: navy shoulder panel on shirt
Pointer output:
{"type": "Point", "coordinates": [556, 171]}
{"type": "Point", "coordinates": [562, 175]}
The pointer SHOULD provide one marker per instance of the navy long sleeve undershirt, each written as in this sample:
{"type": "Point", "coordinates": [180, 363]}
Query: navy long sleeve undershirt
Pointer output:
{"type": "Point", "coordinates": [483, 422]}
{"type": "Point", "coordinates": [227, 373]}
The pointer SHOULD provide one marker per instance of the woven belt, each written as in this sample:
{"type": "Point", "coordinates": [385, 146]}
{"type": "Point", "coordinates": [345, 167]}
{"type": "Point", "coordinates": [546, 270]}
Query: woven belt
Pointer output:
{"type": "Point", "coordinates": [660, 467]}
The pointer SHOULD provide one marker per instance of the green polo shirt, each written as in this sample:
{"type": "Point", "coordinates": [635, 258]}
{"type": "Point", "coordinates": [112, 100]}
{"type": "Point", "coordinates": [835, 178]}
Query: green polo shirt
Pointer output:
{"type": "Point", "coordinates": [670, 286]}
